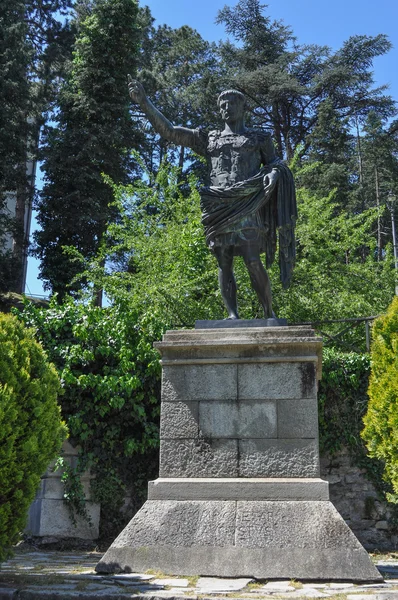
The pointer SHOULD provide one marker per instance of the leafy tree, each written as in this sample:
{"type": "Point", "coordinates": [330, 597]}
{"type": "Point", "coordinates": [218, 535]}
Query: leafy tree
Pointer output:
{"type": "Point", "coordinates": [180, 72]}
{"type": "Point", "coordinates": [337, 274]}
{"type": "Point", "coordinates": [381, 420]}
{"type": "Point", "coordinates": [331, 153]}
{"type": "Point", "coordinates": [156, 258]}
{"type": "Point", "coordinates": [92, 136]}
{"type": "Point", "coordinates": [288, 83]}
{"type": "Point", "coordinates": [379, 172]}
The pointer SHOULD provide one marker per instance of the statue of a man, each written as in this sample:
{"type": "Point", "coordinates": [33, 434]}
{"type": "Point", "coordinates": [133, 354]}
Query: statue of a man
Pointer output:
{"type": "Point", "coordinates": [251, 196]}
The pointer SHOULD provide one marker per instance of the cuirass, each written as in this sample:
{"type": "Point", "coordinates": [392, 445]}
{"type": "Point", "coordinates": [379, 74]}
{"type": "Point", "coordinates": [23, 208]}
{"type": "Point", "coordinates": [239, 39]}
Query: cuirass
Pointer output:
{"type": "Point", "coordinates": [234, 157]}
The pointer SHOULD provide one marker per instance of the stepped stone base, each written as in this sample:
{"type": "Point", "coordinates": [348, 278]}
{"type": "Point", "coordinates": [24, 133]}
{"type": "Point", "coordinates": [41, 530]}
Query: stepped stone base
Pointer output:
{"type": "Point", "coordinates": [266, 539]}
{"type": "Point", "coordinates": [239, 493]}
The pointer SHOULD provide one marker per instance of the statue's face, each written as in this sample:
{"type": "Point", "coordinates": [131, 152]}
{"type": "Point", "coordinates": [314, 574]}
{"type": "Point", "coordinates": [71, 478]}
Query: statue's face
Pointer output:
{"type": "Point", "coordinates": [231, 108]}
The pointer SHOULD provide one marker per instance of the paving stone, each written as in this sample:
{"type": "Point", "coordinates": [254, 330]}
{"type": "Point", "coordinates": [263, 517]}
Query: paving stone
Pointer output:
{"type": "Point", "coordinates": [277, 586]}
{"type": "Point", "coordinates": [178, 583]}
{"type": "Point", "coordinates": [309, 593]}
{"type": "Point", "coordinates": [207, 585]}
{"type": "Point", "coordinates": [317, 586]}
{"type": "Point", "coordinates": [379, 596]}
{"type": "Point", "coordinates": [340, 586]}
{"type": "Point", "coordinates": [133, 576]}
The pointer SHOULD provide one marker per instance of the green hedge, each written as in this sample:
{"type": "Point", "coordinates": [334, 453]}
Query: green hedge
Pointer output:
{"type": "Point", "coordinates": [110, 374]}
{"type": "Point", "coordinates": [342, 401]}
{"type": "Point", "coordinates": [381, 420]}
{"type": "Point", "coordinates": [31, 429]}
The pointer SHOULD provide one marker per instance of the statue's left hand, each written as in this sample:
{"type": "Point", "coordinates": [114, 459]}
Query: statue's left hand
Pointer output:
{"type": "Point", "coordinates": [270, 179]}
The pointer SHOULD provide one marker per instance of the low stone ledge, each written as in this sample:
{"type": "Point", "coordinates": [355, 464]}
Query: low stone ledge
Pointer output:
{"type": "Point", "coordinates": [237, 489]}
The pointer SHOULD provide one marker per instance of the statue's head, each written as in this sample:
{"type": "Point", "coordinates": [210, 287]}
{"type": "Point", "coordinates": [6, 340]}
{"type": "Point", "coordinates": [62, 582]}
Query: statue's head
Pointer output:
{"type": "Point", "coordinates": [231, 104]}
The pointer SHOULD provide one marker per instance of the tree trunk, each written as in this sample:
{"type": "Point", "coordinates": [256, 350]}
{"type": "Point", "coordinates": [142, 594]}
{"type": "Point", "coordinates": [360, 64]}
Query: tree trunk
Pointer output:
{"type": "Point", "coordinates": [360, 165]}
{"type": "Point", "coordinates": [277, 130]}
{"type": "Point", "coordinates": [378, 215]}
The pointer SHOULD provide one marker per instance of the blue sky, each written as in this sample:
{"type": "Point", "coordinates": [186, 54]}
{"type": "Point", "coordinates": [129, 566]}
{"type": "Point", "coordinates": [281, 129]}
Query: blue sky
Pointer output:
{"type": "Point", "coordinates": [323, 22]}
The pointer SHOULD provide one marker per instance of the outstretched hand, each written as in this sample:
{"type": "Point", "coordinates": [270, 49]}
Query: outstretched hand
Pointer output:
{"type": "Point", "coordinates": [136, 90]}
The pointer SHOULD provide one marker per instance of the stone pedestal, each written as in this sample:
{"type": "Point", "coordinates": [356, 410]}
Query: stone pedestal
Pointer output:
{"type": "Point", "coordinates": [239, 492]}
{"type": "Point", "coordinates": [49, 515]}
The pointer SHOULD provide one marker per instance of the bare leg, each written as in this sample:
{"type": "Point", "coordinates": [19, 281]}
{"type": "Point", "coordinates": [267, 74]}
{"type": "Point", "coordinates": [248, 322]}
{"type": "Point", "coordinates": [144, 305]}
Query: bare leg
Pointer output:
{"type": "Point", "coordinates": [258, 277]}
{"type": "Point", "coordinates": [226, 279]}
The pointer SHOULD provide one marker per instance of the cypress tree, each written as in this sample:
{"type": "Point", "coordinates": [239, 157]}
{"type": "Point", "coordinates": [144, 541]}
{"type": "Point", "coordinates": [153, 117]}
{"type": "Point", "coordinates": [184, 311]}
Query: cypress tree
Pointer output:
{"type": "Point", "coordinates": [92, 136]}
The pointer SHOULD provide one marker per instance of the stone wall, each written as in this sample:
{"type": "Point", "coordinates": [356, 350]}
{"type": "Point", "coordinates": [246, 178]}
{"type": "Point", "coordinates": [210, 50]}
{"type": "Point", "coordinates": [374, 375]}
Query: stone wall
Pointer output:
{"type": "Point", "coordinates": [357, 500]}
{"type": "Point", "coordinates": [49, 516]}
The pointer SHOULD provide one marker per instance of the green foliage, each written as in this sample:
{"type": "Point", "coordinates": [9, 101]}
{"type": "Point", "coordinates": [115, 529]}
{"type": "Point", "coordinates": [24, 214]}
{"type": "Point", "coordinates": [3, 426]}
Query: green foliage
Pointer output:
{"type": "Point", "coordinates": [288, 83]}
{"type": "Point", "coordinates": [342, 400]}
{"type": "Point", "coordinates": [337, 274]}
{"type": "Point", "coordinates": [31, 47]}
{"type": "Point", "coordinates": [31, 430]}
{"type": "Point", "coordinates": [156, 257]}
{"type": "Point", "coordinates": [342, 404]}
{"type": "Point", "coordinates": [92, 134]}
{"type": "Point", "coordinates": [110, 378]}
{"type": "Point", "coordinates": [381, 419]}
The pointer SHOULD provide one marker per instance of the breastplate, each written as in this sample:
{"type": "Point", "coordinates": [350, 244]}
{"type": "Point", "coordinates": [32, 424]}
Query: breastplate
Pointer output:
{"type": "Point", "coordinates": [234, 157]}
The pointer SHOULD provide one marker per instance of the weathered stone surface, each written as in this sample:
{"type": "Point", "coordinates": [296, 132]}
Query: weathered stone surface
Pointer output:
{"type": "Point", "coordinates": [278, 458]}
{"type": "Point", "coordinates": [49, 517]}
{"type": "Point", "coordinates": [209, 585]}
{"type": "Point", "coordinates": [285, 524]}
{"type": "Point", "coordinates": [199, 458]}
{"type": "Point", "coordinates": [240, 323]}
{"type": "Point", "coordinates": [297, 418]}
{"type": "Point", "coordinates": [276, 380]}
{"type": "Point", "coordinates": [199, 382]}
{"type": "Point", "coordinates": [179, 420]}
{"type": "Point", "coordinates": [237, 489]}
{"type": "Point", "coordinates": [241, 346]}
{"type": "Point", "coordinates": [360, 508]}
{"type": "Point", "coordinates": [267, 540]}
{"type": "Point", "coordinates": [181, 524]}
{"type": "Point", "coordinates": [54, 489]}
{"type": "Point", "coordinates": [250, 419]}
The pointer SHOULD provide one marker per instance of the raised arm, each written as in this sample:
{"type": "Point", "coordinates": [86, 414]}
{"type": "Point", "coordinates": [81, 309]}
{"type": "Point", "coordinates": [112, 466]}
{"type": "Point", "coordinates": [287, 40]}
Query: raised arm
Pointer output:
{"type": "Point", "coordinates": [182, 136]}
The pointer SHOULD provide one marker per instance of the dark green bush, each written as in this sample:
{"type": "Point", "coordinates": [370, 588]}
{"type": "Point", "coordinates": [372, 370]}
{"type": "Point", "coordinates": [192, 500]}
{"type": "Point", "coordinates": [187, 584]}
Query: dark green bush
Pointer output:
{"type": "Point", "coordinates": [381, 419]}
{"type": "Point", "coordinates": [342, 401]}
{"type": "Point", "coordinates": [31, 429]}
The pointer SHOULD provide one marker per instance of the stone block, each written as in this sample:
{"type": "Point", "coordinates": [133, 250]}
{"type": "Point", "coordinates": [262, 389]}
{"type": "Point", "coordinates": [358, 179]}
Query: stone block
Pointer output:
{"type": "Point", "coordinates": [237, 489]}
{"type": "Point", "coordinates": [250, 419]}
{"type": "Point", "coordinates": [278, 458]}
{"type": "Point", "coordinates": [53, 488]}
{"type": "Point", "coordinates": [266, 540]}
{"type": "Point", "coordinates": [281, 524]}
{"type": "Point", "coordinates": [180, 524]}
{"type": "Point", "coordinates": [277, 380]}
{"type": "Point", "coordinates": [297, 418]}
{"type": "Point", "coordinates": [199, 458]}
{"type": "Point", "coordinates": [179, 420]}
{"type": "Point", "coordinates": [199, 382]}
{"type": "Point", "coordinates": [50, 518]}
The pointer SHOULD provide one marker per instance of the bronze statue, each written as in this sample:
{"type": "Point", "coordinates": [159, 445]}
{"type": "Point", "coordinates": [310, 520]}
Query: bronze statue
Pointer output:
{"type": "Point", "coordinates": [251, 196]}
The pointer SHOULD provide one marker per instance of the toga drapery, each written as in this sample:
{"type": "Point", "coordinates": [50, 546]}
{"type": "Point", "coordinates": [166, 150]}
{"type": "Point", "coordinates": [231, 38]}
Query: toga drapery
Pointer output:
{"type": "Point", "coordinates": [222, 208]}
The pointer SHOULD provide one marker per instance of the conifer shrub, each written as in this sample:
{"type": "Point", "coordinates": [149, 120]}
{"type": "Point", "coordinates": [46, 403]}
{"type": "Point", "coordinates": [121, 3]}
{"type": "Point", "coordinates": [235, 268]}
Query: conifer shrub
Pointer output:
{"type": "Point", "coordinates": [381, 419]}
{"type": "Point", "coordinates": [31, 429]}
